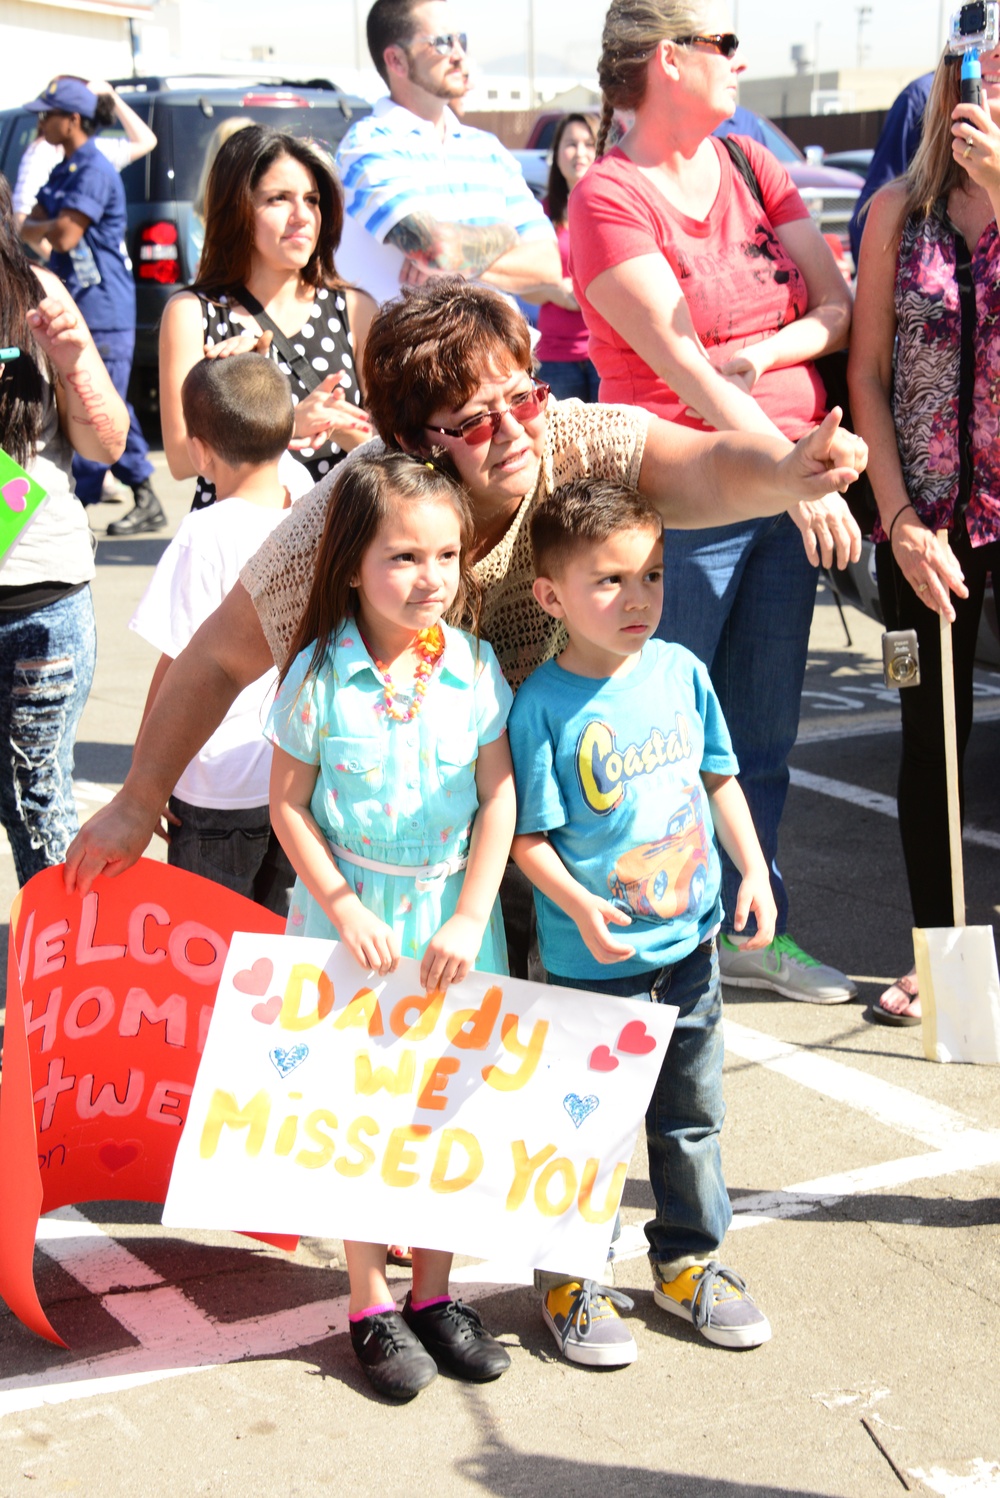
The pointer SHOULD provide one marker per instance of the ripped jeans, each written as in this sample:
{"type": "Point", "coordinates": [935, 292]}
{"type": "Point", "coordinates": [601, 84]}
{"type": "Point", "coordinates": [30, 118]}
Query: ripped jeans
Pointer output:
{"type": "Point", "coordinates": [46, 668]}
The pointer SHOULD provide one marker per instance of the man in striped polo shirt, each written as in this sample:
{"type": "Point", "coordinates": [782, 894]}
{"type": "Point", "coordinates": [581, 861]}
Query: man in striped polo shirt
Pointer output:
{"type": "Point", "coordinates": [423, 192]}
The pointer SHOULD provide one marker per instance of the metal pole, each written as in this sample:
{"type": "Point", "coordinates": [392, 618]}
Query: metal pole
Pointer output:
{"type": "Point", "coordinates": [864, 16]}
{"type": "Point", "coordinates": [531, 54]}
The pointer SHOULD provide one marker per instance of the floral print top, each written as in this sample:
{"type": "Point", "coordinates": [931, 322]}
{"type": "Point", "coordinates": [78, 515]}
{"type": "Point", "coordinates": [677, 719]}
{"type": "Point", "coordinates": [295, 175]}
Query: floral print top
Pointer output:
{"type": "Point", "coordinates": [925, 384]}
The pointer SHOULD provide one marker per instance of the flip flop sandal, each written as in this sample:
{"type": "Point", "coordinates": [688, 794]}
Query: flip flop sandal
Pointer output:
{"type": "Point", "coordinates": [906, 986]}
{"type": "Point", "coordinates": [399, 1253]}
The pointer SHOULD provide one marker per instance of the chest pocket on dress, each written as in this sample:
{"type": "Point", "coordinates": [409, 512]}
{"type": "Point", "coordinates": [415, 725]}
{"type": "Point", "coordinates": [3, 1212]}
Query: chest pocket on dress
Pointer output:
{"type": "Point", "coordinates": [353, 767]}
{"type": "Point", "coordinates": [456, 757]}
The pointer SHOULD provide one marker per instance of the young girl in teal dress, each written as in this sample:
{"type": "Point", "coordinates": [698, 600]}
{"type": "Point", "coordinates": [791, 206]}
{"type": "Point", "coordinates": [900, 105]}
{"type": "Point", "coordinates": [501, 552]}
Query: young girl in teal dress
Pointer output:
{"type": "Point", "coordinates": [393, 796]}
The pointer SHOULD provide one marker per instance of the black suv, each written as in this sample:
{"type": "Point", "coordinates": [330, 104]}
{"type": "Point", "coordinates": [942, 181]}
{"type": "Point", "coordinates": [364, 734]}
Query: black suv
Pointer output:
{"type": "Point", "coordinates": [160, 187]}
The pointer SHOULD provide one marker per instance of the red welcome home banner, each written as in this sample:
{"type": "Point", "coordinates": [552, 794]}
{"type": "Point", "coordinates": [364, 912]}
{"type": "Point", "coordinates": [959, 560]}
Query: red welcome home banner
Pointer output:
{"type": "Point", "coordinates": [109, 996]}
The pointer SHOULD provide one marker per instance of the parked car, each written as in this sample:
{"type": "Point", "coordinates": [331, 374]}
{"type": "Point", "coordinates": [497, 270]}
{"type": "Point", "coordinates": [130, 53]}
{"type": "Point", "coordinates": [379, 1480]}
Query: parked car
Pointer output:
{"type": "Point", "coordinates": [850, 161]}
{"type": "Point", "coordinates": [183, 112]}
{"type": "Point", "coordinates": [830, 194]}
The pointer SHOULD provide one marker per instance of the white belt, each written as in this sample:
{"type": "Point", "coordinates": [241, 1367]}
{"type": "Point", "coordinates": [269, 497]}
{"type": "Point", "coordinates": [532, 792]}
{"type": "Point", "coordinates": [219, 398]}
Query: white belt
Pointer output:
{"type": "Point", "coordinates": [427, 875]}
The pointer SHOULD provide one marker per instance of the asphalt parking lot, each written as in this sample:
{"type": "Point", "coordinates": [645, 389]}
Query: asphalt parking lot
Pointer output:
{"type": "Point", "coordinates": [865, 1182]}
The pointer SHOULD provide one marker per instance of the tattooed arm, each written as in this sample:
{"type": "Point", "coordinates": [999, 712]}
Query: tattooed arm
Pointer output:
{"type": "Point", "coordinates": [451, 249]}
{"type": "Point", "coordinates": [492, 253]}
{"type": "Point", "coordinates": [91, 412]}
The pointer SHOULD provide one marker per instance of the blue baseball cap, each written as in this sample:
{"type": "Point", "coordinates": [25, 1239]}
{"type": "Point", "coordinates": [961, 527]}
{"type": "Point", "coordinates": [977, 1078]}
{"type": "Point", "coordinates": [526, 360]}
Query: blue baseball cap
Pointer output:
{"type": "Point", "coordinates": [68, 96]}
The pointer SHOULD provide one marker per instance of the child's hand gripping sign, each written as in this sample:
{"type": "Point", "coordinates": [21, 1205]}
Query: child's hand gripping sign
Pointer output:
{"type": "Point", "coordinates": [497, 1119]}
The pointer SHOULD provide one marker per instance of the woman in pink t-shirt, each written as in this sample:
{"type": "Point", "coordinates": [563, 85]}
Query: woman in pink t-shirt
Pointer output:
{"type": "Point", "coordinates": [708, 292]}
{"type": "Point", "coordinates": [562, 348]}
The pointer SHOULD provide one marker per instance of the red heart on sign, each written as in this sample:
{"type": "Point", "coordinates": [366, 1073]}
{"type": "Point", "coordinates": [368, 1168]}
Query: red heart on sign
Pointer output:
{"type": "Point", "coordinates": [268, 1013]}
{"type": "Point", "coordinates": [115, 1157]}
{"type": "Point", "coordinates": [601, 1059]}
{"type": "Point", "coordinates": [635, 1039]}
{"type": "Point", "coordinates": [256, 979]}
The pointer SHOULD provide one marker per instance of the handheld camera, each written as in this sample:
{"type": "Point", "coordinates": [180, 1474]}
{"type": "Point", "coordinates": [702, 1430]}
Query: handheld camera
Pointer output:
{"type": "Point", "coordinates": [974, 27]}
{"type": "Point", "coordinates": [900, 658]}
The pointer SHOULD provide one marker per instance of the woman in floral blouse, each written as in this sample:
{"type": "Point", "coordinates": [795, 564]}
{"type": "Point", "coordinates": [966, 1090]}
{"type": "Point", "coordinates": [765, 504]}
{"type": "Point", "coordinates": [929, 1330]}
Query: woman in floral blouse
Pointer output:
{"type": "Point", "coordinates": [934, 440]}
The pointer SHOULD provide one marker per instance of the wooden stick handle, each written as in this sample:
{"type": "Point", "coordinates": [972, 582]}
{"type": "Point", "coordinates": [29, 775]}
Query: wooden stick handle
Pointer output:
{"type": "Point", "coordinates": [951, 768]}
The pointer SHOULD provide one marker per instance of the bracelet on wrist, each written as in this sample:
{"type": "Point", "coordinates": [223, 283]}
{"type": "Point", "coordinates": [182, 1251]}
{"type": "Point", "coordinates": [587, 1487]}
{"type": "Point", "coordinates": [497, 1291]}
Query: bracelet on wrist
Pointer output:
{"type": "Point", "coordinates": [892, 523]}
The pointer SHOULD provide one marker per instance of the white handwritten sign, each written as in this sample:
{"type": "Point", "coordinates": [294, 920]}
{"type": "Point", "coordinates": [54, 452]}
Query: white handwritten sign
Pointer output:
{"type": "Point", "coordinates": [497, 1119]}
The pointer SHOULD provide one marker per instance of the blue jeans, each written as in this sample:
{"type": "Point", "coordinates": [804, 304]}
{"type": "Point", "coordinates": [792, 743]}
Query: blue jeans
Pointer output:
{"type": "Point", "coordinates": [46, 667]}
{"type": "Point", "coordinates": [569, 377]}
{"type": "Point", "coordinates": [236, 847]}
{"type": "Point", "coordinates": [133, 466]}
{"type": "Point", "coordinates": [685, 1114]}
{"type": "Point", "coordinates": [741, 598]}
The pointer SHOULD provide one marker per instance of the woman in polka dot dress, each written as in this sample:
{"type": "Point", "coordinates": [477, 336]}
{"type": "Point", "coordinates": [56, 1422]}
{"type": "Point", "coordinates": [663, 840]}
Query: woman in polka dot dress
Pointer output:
{"type": "Point", "coordinates": [274, 213]}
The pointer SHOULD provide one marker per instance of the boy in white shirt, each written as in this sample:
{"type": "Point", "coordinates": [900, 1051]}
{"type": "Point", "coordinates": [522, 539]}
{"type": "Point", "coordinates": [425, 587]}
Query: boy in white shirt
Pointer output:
{"type": "Point", "coordinates": [239, 420]}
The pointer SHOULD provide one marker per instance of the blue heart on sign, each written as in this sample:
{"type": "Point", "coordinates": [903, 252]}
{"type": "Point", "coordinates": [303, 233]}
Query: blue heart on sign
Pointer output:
{"type": "Point", "coordinates": [580, 1108]}
{"type": "Point", "coordinates": [286, 1061]}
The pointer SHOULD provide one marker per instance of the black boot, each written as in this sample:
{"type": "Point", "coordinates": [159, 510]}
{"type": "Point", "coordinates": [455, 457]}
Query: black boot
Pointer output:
{"type": "Point", "coordinates": [146, 514]}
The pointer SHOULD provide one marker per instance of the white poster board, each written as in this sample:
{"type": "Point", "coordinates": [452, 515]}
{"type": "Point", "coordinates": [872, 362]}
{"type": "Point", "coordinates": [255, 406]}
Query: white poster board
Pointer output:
{"type": "Point", "coordinates": [497, 1120]}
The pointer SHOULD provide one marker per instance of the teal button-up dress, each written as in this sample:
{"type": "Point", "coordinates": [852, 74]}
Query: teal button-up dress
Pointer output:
{"type": "Point", "coordinates": [401, 793]}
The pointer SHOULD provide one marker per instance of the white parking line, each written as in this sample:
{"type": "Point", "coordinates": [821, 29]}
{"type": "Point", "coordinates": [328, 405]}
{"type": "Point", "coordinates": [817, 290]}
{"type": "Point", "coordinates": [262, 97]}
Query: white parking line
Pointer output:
{"type": "Point", "coordinates": [857, 795]}
{"type": "Point", "coordinates": [176, 1337]}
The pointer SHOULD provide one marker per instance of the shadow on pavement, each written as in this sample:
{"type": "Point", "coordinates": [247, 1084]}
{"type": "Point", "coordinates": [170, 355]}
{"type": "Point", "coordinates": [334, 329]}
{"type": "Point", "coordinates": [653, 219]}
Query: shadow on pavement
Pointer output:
{"type": "Point", "coordinates": [500, 1468]}
{"type": "Point", "coordinates": [108, 764]}
{"type": "Point", "coordinates": [130, 551]}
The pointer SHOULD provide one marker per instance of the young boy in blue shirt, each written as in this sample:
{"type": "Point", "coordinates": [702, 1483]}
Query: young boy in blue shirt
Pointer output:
{"type": "Point", "coordinates": [623, 763]}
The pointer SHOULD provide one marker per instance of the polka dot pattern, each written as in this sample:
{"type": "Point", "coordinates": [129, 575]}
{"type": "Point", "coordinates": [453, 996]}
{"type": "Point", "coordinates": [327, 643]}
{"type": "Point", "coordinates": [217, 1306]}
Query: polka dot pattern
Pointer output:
{"type": "Point", "coordinates": [324, 339]}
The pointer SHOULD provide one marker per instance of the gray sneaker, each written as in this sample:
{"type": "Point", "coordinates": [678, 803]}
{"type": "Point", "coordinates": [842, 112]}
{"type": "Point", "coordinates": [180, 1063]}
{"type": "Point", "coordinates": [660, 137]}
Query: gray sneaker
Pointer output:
{"type": "Point", "coordinates": [583, 1317]}
{"type": "Point", "coordinates": [717, 1303]}
{"type": "Point", "coordinates": [783, 968]}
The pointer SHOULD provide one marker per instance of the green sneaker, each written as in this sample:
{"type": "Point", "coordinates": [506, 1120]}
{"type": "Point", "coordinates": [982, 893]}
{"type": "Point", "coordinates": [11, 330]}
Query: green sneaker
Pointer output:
{"type": "Point", "coordinates": [783, 968]}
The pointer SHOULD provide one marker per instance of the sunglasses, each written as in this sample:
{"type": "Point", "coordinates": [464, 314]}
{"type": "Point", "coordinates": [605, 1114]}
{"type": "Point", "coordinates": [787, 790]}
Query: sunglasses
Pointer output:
{"type": "Point", "coordinates": [484, 427]}
{"type": "Point", "coordinates": [726, 42]}
{"type": "Point", "coordinates": [444, 45]}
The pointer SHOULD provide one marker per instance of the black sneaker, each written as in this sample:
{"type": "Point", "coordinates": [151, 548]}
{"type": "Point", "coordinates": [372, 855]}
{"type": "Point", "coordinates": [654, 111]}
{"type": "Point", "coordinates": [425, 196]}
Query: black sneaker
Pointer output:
{"type": "Point", "coordinates": [458, 1342]}
{"type": "Point", "coordinates": [145, 515]}
{"type": "Point", "coordinates": [395, 1363]}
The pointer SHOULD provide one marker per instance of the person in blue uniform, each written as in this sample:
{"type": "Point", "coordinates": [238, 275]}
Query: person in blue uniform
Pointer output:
{"type": "Point", "coordinates": [81, 212]}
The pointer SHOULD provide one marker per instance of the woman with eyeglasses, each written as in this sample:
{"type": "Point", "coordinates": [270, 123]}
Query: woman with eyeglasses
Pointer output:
{"type": "Point", "coordinates": [447, 373]}
{"type": "Point", "coordinates": [709, 292]}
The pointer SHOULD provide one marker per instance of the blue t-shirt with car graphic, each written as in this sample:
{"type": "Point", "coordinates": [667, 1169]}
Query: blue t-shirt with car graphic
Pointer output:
{"type": "Point", "coordinates": [610, 770]}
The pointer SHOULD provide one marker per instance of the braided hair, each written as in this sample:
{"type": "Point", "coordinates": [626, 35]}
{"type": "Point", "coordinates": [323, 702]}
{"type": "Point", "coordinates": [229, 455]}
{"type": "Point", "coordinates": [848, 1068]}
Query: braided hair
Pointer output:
{"type": "Point", "coordinates": [633, 29]}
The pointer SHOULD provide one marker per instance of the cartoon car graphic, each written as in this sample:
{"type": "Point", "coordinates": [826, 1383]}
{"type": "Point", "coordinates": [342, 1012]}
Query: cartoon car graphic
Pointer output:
{"type": "Point", "coordinates": [666, 878]}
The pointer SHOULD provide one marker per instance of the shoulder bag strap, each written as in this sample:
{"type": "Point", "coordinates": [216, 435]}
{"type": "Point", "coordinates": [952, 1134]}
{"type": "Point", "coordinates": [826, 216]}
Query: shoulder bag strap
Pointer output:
{"type": "Point", "coordinates": [741, 162]}
{"type": "Point", "coordinates": [966, 375]}
{"type": "Point", "coordinates": [304, 371]}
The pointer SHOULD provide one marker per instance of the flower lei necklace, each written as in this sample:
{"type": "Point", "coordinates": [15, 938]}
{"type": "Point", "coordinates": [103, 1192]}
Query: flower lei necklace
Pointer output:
{"type": "Point", "coordinates": [429, 645]}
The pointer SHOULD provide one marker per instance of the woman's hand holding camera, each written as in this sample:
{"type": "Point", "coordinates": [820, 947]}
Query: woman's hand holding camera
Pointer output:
{"type": "Point", "coordinates": [929, 565]}
{"type": "Point", "coordinates": [976, 144]}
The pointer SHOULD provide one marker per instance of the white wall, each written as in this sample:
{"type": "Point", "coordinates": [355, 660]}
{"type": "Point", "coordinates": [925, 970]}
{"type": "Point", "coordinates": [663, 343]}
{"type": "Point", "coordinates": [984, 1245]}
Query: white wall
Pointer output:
{"type": "Point", "coordinates": [41, 40]}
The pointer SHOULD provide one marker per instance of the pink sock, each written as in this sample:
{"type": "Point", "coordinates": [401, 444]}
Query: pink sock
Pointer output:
{"type": "Point", "coordinates": [435, 1300]}
{"type": "Point", "coordinates": [373, 1311]}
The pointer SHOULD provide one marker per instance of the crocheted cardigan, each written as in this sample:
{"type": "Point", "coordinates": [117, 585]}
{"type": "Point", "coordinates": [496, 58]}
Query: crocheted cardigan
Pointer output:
{"type": "Point", "coordinates": [581, 441]}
